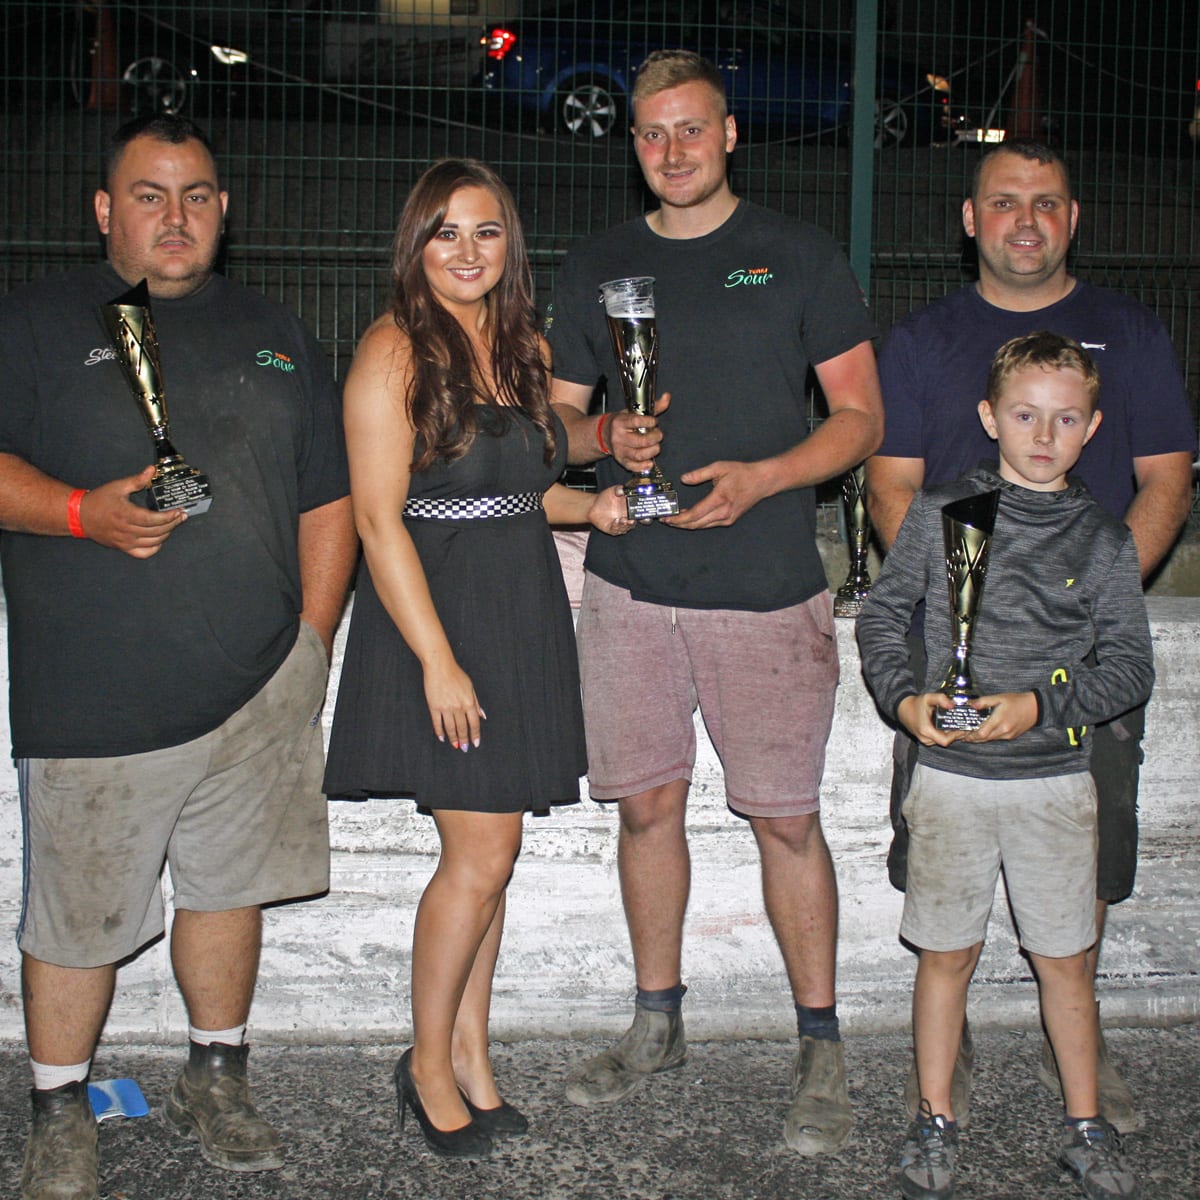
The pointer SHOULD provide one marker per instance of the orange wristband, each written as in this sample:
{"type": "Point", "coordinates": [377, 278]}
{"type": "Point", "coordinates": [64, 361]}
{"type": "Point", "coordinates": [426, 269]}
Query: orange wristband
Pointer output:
{"type": "Point", "coordinates": [600, 433]}
{"type": "Point", "coordinates": [74, 524]}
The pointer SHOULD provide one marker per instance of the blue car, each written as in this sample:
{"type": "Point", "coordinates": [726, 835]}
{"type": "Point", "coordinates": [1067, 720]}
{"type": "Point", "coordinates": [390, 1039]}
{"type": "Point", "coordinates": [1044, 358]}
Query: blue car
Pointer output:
{"type": "Point", "coordinates": [570, 68]}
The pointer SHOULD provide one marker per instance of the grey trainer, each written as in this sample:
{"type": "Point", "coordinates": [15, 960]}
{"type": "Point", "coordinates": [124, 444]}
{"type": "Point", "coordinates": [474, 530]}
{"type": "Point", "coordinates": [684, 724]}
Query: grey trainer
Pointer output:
{"type": "Point", "coordinates": [960, 1083]}
{"type": "Point", "coordinates": [929, 1157]}
{"type": "Point", "coordinates": [819, 1119]}
{"type": "Point", "coordinates": [211, 1099]}
{"type": "Point", "coordinates": [654, 1042]}
{"type": "Point", "coordinates": [1091, 1150]}
{"type": "Point", "coordinates": [60, 1156]}
{"type": "Point", "coordinates": [1115, 1100]}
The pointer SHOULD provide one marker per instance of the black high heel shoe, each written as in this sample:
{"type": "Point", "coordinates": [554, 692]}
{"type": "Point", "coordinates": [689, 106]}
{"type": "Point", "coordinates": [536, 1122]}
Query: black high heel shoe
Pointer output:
{"type": "Point", "coordinates": [502, 1120]}
{"type": "Point", "coordinates": [470, 1141]}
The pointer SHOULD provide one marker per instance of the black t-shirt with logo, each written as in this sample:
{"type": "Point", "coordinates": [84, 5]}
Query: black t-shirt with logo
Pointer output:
{"type": "Point", "coordinates": [740, 314]}
{"type": "Point", "coordinates": [112, 655]}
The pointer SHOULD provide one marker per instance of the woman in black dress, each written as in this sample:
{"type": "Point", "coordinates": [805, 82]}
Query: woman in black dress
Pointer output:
{"type": "Point", "coordinates": [460, 685]}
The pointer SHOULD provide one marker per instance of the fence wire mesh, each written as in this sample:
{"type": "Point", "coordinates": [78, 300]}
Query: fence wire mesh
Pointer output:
{"type": "Point", "coordinates": [323, 114]}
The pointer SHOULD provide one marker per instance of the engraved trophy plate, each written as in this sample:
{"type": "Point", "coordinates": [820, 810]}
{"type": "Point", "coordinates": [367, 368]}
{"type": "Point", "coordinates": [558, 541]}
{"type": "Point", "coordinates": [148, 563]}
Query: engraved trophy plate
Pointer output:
{"type": "Point", "coordinates": [850, 597]}
{"type": "Point", "coordinates": [629, 306]}
{"type": "Point", "coordinates": [967, 527]}
{"type": "Point", "coordinates": [130, 328]}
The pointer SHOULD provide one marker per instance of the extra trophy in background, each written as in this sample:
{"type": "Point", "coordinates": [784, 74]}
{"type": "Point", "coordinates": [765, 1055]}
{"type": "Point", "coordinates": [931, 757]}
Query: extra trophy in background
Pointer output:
{"type": "Point", "coordinates": [849, 598]}
{"type": "Point", "coordinates": [130, 327]}
{"type": "Point", "coordinates": [629, 304]}
{"type": "Point", "coordinates": [967, 527]}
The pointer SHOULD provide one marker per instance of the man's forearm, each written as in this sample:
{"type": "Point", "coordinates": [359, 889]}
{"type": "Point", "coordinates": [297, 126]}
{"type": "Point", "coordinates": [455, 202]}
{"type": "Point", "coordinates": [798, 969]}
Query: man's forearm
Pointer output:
{"type": "Point", "coordinates": [328, 548]}
{"type": "Point", "coordinates": [1159, 509]}
{"type": "Point", "coordinates": [582, 442]}
{"type": "Point", "coordinates": [31, 501]}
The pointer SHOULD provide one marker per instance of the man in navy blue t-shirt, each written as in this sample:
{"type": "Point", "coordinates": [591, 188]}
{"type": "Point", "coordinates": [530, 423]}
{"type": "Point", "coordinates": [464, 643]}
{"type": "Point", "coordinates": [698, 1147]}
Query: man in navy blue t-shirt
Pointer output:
{"type": "Point", "coordinates": [933, 371]}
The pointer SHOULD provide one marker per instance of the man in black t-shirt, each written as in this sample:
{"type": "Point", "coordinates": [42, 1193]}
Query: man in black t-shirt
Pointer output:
{"type": "Point", "coordinates": [724, 604]}
{"type": "Point", "coordinates": [167, 672]}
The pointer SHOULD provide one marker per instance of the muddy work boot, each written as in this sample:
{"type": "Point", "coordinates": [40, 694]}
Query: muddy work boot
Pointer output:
{"type": "Point", "coordinates": [60, 1156]}
{"type": "Point", "coordinates": [1115, 1100]}
{"type": "Point", "coordinates": [211, 1099]}
{"type": "Point", "coordinates": [819, 1118]}
{"type": "Point", "coordinates": [653, 1043]}
{"type": "Point", "coordinates": [960, 1083]}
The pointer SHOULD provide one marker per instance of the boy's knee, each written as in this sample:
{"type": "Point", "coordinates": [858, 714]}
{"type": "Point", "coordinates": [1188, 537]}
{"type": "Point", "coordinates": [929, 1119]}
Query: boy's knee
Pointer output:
{"type": "Point", "coordinates": [952, 962]}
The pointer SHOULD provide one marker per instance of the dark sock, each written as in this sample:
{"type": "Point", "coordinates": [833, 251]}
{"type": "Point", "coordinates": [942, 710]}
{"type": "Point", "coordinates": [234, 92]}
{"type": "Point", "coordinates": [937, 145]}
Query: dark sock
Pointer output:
{"type": "Point", "coordinates": [664, 1000]}
{"type": "Point", "coordinates": [819, 1023]}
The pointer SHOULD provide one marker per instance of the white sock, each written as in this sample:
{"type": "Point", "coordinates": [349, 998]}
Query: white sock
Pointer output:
{"type": "Point", "coordinates": [46, 1077]}
{"type": "Point", "coordinates": [223, 1037]}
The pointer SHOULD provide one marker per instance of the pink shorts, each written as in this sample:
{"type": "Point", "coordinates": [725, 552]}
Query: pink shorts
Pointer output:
{"type": "Point", "coordinates": [764, 681]}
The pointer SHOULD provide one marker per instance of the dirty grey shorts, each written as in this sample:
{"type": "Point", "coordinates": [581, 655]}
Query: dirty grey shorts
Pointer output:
{"type": "Point", "coordinates": [962, 831]}
{"type": "Point", "coordinates": [237, 814]}
{"type": "Point", "coordinates": [765, 683]}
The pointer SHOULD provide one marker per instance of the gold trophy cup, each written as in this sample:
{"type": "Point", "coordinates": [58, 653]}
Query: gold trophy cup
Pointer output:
{"type": "Point", "coordinates": [967, 527]}
{"type": "Point", "coordinates": [848, 600]}
{"type": "Point", "coordinates": [130, 328]}
{"type": "Point", "coordinates": [629, 306]}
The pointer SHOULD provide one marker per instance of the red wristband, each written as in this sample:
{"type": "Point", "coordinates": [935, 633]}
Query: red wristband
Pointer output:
{"type": "Point", "coordinates": [74, 524]}
{"type": "Point", "coordinates": [600, 433]}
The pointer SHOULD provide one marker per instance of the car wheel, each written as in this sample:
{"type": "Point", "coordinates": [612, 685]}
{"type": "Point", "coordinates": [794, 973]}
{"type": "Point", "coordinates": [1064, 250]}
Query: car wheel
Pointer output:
{"type": "Point", "coordinates": [891, 123]}
{"type": "Point", "coordinates": [81, 55]}
{"type": "Point", "coordinates": [158, 84]}
{"type": "Point", "coordinates": [589, 109]}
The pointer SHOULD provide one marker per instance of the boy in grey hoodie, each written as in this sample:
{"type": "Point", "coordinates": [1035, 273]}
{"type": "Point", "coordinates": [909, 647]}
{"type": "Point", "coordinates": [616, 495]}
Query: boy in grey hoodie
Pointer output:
{"type": "Point", "coordinates": [1060, 642]}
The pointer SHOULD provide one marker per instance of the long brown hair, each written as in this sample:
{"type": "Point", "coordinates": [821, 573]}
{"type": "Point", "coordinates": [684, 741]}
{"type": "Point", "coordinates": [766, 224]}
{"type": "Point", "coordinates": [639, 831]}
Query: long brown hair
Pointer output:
{"type": "Point", "coordinates": [446, 384]}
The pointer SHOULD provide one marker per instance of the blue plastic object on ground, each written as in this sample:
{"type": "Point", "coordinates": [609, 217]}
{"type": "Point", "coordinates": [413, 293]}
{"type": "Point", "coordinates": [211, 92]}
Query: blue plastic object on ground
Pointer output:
{"type": "Point", "coordinates": [117, 1098]}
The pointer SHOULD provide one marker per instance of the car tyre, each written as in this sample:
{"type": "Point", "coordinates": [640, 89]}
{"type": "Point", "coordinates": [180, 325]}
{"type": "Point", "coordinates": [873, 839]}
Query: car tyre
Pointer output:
{"type": "Point", "coordinates": [157, 83]}
{"type": "Point", "coordinates": [891, 123]}
{"type": "Point", "coordinates": [587, 108]}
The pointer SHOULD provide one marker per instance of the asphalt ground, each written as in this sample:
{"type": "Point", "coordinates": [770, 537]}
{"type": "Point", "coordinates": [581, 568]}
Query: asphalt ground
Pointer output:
{"type": "Point", "coordinates": [709, 1131]}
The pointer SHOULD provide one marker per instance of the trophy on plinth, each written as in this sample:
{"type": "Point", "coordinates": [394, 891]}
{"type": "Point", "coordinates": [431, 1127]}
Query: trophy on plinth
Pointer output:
{"type": "Point", "coordinates": [967, 527]}
{"type": "Point", "coordinates": [629, 305]}
{"type": "Point", "coordinates": [849, 598]}
{"type": "Point", "coordinates": [130, 328]}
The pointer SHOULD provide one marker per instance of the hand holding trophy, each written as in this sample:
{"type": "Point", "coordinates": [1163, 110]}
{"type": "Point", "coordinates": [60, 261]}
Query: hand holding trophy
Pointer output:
{"type": "Point", "coordinates": [967, 527]}
{"type": "Point", "coordinates": [130, 327]}
{"type": "Point", "coordinates": [849, 598]}
{"type": "Point", "coordinates": [629, 306]}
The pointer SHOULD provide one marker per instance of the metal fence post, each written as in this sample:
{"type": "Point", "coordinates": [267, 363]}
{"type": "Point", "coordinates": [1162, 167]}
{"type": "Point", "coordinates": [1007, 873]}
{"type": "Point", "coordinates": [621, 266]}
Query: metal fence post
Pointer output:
{"type": "Point", "coordinates": [862, 140]}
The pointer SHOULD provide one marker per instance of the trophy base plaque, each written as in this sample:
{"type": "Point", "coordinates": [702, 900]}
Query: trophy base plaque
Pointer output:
{"type": "Point", "coordinates": [961, 718]}
{"type": "Point", "coordinates": [648, 499]}
{"type": "Point", "coordinates": [849, 605]}
{"type": "Point", "coordinates": [187, 489]}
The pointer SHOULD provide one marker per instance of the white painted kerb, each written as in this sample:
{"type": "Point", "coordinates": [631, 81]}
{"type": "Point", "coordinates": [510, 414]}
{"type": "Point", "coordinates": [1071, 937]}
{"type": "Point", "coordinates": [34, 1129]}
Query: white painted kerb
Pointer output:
{"type": "Point", "coordinates": [337, 968]}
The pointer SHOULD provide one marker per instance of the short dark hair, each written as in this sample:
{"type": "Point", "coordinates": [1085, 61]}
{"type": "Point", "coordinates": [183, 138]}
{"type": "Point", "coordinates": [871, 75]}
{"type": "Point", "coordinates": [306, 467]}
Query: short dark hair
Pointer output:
{"type": "Point", "coordinates": [163, 127]}
{"type": "Point", "coordinates": [1025, 148]}
{"type": "Point", "coordinates": [665, 69]}
{"type": "Point", "coordinates": [1050, 352]}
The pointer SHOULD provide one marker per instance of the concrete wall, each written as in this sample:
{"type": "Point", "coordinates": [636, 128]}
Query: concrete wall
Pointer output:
{"type": "Point", "coordinates": [337, 968]}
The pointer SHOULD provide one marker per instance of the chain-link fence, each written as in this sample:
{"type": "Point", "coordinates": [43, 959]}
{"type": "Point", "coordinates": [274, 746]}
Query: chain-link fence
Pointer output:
{"type": "Point", "coordinates": [324, 113]}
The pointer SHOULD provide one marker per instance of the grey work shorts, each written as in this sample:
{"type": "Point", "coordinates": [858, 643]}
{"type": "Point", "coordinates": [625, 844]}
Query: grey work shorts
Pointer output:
{"type": "Point", "coordinates": [963, 831]}
{"type": "Point", "coordinates": [1115, 766]}
{"type": "Point", "coordinates": [238, 815]}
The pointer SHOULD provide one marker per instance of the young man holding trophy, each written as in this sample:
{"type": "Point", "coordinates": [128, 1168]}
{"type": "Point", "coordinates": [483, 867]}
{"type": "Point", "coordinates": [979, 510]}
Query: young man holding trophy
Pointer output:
{"type": "Point", "coordinates": [1046, 613]}
{"type": "Point", "coordinates": [723, 602]}
{"type": "Point", "coordinates": [169, 632]}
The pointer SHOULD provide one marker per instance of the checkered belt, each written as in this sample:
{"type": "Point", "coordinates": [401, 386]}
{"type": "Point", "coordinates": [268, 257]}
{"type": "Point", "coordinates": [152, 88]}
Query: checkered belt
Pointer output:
{"type": "Point", "coordinates": [472, 508]}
